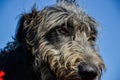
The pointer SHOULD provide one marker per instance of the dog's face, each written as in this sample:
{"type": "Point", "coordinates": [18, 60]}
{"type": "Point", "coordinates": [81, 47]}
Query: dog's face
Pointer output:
{"type": "Point", "coordinates": [63, 38]}
{"type": "Point", "coordinates": [77, 56]}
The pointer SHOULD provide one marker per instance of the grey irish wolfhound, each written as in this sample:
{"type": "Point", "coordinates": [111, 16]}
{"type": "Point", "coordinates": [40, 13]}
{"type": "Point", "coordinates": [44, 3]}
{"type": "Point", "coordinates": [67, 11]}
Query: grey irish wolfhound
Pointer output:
{"type": "Point", "coordinates": [55, 43]}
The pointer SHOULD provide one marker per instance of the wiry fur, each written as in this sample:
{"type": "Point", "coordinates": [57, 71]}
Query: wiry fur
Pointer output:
{"type": "Point", "coordinates": [51, 44]}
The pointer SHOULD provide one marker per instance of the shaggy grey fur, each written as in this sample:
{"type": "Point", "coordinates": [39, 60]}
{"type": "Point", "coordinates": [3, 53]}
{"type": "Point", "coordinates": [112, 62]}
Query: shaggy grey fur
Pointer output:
{"type": "Point", "coordinates": [56, 43]}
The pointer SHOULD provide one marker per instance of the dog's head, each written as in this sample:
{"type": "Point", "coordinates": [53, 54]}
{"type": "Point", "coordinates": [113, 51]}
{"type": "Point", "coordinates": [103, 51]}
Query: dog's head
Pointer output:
{"type": "Point", "coordinates": [62, 37]}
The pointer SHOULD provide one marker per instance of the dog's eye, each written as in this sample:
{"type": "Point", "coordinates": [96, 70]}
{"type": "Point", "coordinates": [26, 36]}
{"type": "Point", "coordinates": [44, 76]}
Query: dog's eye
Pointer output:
{"type": "Point", "coordinates": [92, 39]}
{"type": "Point", "coordinates": [63, 31]}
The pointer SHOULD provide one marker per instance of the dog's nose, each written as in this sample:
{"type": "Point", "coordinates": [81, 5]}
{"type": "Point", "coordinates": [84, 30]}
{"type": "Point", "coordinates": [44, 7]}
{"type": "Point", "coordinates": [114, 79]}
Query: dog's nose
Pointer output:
{"type": "Point", "coordinates": [87, 72]}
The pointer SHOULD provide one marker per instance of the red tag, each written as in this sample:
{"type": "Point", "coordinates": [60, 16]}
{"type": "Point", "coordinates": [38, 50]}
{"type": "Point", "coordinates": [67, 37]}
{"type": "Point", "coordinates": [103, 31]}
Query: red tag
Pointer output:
{"type": "Point", "coordinates": [2, 74]}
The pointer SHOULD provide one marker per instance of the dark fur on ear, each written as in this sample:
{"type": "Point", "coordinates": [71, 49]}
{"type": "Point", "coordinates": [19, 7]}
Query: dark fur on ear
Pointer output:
{"type": "Point", "coordinates": [24, 24]}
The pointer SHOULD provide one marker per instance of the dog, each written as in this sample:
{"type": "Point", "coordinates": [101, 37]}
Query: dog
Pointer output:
{"type": "Point", "coordinates": [55, 43]}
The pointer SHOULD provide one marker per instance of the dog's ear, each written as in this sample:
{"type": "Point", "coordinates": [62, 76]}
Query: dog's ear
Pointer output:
{"type": "Point", "coordinates": [26, 30]}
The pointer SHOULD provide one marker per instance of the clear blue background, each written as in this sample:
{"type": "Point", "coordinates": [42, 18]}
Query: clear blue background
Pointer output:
{"type": "Point", "coordinates": [106, 12]}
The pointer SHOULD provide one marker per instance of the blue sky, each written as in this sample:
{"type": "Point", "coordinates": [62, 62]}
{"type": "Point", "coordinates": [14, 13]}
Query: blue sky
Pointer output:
{"type": "Point", "coordinates": [106, 12]}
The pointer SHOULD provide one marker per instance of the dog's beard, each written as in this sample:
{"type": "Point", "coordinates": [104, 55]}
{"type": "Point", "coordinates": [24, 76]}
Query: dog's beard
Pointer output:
{"type": "Point", "coordinates": [64, 62]}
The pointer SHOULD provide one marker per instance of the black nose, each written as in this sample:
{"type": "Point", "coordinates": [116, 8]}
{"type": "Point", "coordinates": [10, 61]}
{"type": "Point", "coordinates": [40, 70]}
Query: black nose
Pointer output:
{"type": "Point", "coordinates": [87, 71]}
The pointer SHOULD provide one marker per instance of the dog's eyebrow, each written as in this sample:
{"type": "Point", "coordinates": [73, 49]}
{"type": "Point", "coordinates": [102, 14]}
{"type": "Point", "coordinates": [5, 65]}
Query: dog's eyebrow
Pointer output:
{"type": "Point", "coordinates": [59, 26]}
